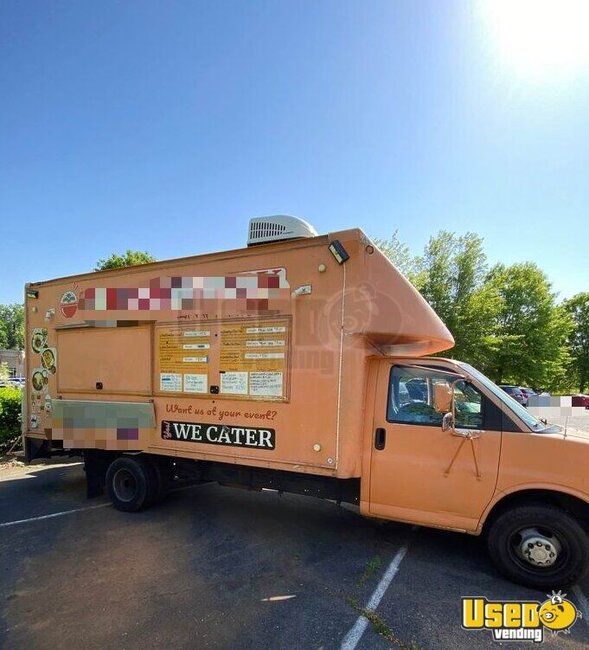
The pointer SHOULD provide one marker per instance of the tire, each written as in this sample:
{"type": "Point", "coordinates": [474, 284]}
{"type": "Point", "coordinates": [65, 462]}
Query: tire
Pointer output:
{"type": "Point", "coordinates": [131, 483]}
{"type": "Point", "coordinates": [539, 546]}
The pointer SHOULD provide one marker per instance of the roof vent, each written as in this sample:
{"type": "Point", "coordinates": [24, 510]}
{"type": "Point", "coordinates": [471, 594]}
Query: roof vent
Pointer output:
{"type": "Point", "coordinates": [277, 228]}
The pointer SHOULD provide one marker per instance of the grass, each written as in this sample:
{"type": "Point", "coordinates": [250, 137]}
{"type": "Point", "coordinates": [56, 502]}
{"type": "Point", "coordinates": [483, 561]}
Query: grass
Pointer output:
{"type": "Point", "coordinates": [381, 627]}
{"type": "Point", "coordinates": [371, 567]}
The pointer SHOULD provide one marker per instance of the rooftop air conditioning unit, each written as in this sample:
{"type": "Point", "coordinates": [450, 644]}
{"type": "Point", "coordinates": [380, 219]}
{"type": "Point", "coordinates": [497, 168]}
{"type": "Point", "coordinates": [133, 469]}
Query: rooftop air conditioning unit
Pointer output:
{"type": "Point", "coordinates": [277, 228]}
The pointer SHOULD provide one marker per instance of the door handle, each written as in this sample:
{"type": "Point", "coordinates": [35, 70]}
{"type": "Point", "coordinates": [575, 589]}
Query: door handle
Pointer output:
{"type": "Point", "coordinates": [380, 438]}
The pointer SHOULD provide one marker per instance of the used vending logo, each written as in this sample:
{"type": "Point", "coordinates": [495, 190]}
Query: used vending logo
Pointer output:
{"type": "Point", "coordinates": [520, 620]}
{"type": "Point", "coordinates": [219, 434]}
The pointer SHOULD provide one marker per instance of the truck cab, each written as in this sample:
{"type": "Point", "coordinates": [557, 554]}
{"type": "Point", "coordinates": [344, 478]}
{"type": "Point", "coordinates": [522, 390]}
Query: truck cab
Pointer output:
{"type": "Point", "coordinates": [448, 448]}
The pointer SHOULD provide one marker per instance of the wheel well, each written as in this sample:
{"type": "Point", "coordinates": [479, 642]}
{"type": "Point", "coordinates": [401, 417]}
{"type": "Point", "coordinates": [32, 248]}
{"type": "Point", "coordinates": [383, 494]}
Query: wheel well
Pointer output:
{"type": "Point", "coordinates": [97, 462]}
{"type": "Point", "coordinates": [573, 505]}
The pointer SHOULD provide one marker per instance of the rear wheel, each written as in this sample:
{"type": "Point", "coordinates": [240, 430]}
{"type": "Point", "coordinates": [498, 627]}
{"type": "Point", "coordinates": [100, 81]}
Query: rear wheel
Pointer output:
{"type": "Point", "coordinates": [539, 546]}
{"type": "Point", "coordinates": [131, 483]}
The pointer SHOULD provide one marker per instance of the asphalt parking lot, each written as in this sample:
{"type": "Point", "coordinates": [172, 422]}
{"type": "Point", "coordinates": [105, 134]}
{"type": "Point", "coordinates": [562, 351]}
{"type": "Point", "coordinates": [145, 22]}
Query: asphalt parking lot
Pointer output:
{"type": "Point", "coordinates": [215, 567]}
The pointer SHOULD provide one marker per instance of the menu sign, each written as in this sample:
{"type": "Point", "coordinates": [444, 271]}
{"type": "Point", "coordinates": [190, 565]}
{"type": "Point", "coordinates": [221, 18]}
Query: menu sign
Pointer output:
{"type": "Point", "coordinates": [253, 359]}
{"type": "Point", "coordinates": [184, 356]}
{"type": "Point", "coordinates": [232, 359]}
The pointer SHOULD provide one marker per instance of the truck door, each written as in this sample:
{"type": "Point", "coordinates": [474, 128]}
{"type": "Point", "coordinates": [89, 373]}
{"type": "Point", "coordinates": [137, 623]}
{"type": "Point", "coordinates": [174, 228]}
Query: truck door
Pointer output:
{"type": "Point", "coordinates": [420, 473]}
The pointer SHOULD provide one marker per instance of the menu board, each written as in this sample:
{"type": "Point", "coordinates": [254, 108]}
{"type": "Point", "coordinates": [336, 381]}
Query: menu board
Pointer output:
{"type": "Point", "coordinates": [232, 359]}
{"type": "Point", "coordinates": [184, 356]}
{"type": "Point", "coordinates": [253, 359]}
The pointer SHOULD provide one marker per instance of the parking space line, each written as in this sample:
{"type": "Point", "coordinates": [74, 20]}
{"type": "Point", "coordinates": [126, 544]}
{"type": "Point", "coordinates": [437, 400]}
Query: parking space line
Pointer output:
{"type": "Point", "coordinates": [352, 638]}
{"type": "Point", "coordinates": [6, 524]}
{"type": "Point", "coordinates": [55, 514]}
{"type": "Point", "coordinates": [583, 603]}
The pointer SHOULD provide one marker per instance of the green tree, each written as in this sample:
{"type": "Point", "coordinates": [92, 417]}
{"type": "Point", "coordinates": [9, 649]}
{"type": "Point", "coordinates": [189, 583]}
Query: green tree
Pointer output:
{"type": "Point", "coordinates": [400, 255]}
{"type": "Point", "coordinates": [452, 280]}
{"type": "Point", "coordinates": [130, 258]}
{"type": "Point", "coordinates": [505, 321]}
{"type": "Point", "coordinates": [532, 328]}
{"type": "Point", "coordinates": [450, 275]}
{"type": "Point", "coordinates": [12, 327]}
{"type": "Point", "coordinates": [578, 309]}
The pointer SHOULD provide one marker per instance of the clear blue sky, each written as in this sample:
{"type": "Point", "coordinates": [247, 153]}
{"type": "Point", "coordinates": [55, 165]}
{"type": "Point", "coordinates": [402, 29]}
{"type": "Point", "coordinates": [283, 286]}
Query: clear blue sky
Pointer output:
{"type": "Point", "coordinates": [165, 126]}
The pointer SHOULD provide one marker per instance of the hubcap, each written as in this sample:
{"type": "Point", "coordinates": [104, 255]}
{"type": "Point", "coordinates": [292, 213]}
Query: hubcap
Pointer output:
{"type": "Point", "coordinates": [537, 548]}
{"type": "Point", "coordinates": [124, 485]}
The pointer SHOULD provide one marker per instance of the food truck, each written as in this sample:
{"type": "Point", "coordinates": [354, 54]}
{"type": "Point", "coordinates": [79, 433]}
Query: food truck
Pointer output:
{"type": "Point", "coordinates": [301, 363]}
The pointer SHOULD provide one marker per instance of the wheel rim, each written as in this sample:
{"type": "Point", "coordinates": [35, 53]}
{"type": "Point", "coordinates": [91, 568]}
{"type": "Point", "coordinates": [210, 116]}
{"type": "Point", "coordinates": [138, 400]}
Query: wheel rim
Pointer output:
{"type": "Point", "coordinates": [124, 485]}
{"type": "Point", "coordinates": [536, 548]}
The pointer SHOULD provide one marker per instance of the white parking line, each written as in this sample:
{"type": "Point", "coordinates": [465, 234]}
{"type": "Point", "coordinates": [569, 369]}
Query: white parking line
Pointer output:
{"type": "Point", "coordinates": [352, 638]}
{"type": "Point", "coordinates": [55, 514]}
{"type": "Point", "coordinates": [5, 524]}
{"type": "Point", "coordinates": [582, 603]}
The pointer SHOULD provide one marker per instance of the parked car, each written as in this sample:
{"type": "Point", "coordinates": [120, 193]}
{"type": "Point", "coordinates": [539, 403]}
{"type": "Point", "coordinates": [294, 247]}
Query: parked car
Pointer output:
{"type": "Point", "coordinates": [581, 400]}
{"type": "Point", "coordinates": [12, 382]}
{"type": "Point", "coordinates": [528, 392]}
{"type": "Point", "coordinates": [515, 392]}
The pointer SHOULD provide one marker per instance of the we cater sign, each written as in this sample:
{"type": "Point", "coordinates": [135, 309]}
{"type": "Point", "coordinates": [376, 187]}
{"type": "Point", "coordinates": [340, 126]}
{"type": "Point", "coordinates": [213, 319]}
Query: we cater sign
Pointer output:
{"type": "Point", "coordinates": [219, 434]}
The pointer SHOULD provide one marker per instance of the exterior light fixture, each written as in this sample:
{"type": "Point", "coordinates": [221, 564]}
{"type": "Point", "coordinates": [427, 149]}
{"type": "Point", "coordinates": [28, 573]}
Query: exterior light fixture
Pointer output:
{"type": "Point", "coordinates": [338, 251]}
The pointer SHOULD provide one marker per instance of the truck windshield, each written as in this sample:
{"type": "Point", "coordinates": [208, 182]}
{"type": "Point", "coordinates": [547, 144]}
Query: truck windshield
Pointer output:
{"type": "Point", "coordinates": [528, 418]}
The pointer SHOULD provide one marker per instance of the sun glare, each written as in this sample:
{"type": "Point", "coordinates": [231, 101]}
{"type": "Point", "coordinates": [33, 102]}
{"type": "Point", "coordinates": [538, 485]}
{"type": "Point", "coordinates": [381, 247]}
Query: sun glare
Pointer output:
{"type": "Point", "coordinates": [540, 37]}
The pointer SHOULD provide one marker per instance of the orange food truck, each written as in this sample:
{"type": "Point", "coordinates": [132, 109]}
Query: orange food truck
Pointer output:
{"type": "Point", "coordinates": [301, 363]}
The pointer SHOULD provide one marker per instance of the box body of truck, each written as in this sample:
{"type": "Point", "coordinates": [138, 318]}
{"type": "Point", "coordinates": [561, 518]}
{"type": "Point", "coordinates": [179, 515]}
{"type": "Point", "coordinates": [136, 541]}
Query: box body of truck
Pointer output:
{"type": "Point", "coordinates": [255, 356]}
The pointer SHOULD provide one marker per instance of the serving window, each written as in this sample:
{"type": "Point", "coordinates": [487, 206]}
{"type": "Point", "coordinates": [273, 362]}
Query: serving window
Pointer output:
{"type": "Point", "coordinates": [118, 359]}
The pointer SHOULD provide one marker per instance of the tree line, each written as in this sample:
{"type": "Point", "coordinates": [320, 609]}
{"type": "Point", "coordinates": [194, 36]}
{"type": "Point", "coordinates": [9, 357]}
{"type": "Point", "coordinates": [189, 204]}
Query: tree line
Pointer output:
{"type": "Point", "coordinates": [506, 319]}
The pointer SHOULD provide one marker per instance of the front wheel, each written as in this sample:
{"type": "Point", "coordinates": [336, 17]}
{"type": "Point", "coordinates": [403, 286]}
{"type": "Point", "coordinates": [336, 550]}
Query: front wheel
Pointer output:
{"type": "Point", "coordinates": [539, 546]}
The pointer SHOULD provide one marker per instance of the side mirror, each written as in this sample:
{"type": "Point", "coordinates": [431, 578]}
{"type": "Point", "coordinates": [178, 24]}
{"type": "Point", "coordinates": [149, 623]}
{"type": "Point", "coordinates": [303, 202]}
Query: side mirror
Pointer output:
{"type": "Point", "coordinates": [448, 422]}
{"type": "Point", "coordinates": [443, 397]}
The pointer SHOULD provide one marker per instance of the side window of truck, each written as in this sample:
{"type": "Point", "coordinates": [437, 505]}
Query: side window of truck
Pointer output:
{"type": "Point", "coordinates": [411, 396]}
{"type": "Point", "coordinates": [469, 406]}
{"type": "Point", "coordinates": [411, 400]}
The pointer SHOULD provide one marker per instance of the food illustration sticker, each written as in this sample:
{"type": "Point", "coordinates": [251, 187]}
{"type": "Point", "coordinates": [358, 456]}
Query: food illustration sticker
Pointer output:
{"type": "Point", "coordinates": [39, 339]}
{"type": "Point", "coordinates": [46, 365]}
{"type": "Point", "coordinates": [39, 379]}
{"type": "Point", "coordinates": [49, 359]}
{"type": "Point", "coordinates": [68, 304]}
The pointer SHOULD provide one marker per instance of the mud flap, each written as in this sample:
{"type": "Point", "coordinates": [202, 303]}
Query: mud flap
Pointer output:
{"type": "Point", "coordinates": [96, 462]}
{"type": "Point", "coordinates": [36, 448]}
